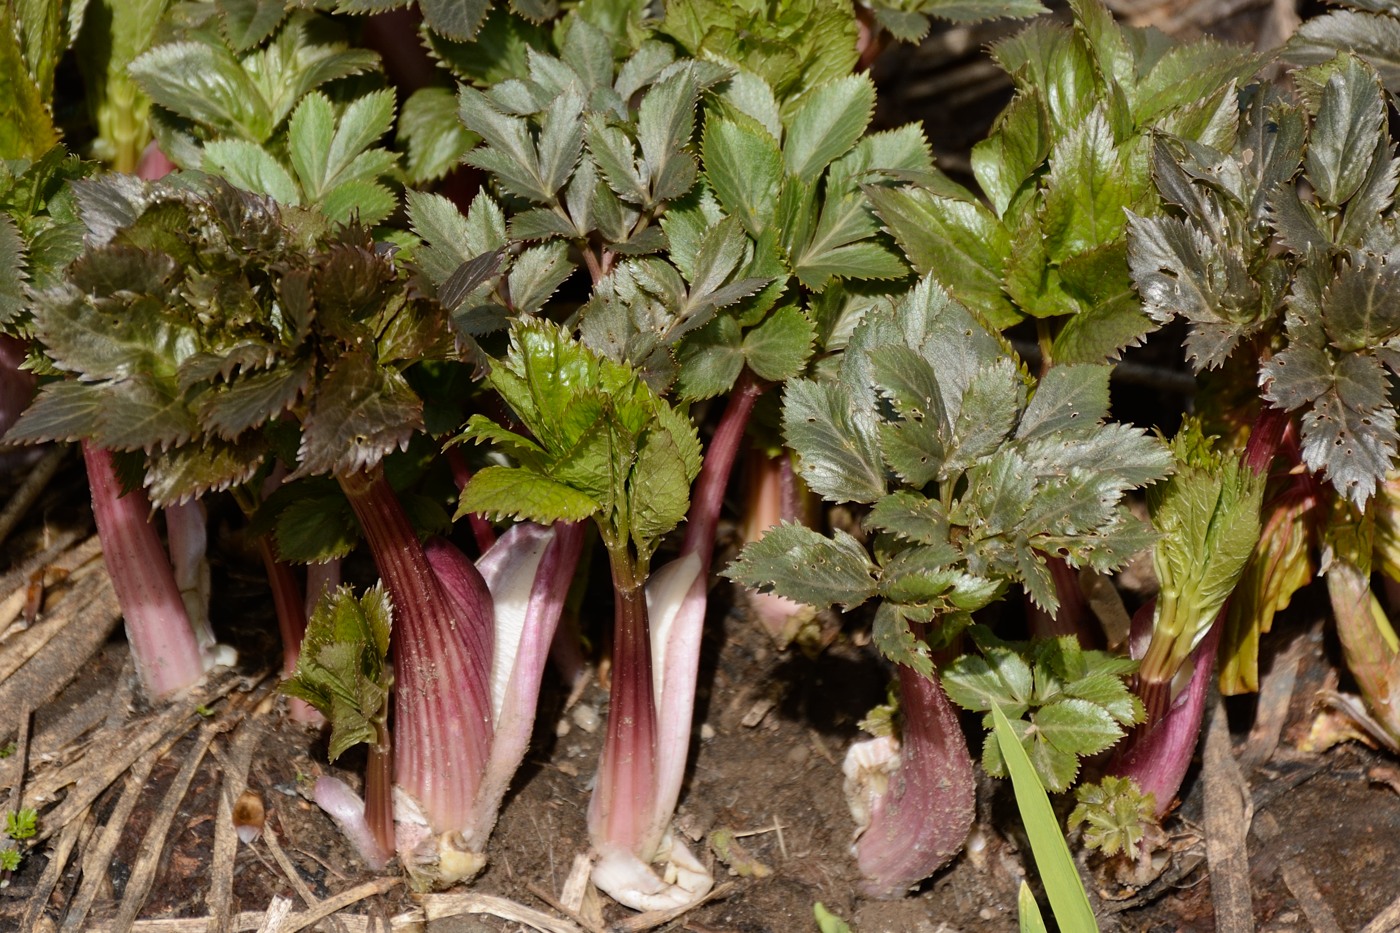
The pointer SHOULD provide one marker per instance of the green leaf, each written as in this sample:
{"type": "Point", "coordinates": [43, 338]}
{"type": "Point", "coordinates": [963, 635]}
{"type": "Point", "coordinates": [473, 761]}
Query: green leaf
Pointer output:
{"type": "Point", "coordinates": [517, 492]}
{"type": "Point", "coordinates": [826, 123]}
{"type": "Point", "coordinates": [248, 22]}
{"type": "Point", "coordinates": [1028, 914]}
{"type": "Point", "coordinates": [778, 348]}
{"type": "Point", "coordinates": [1089, 185]}
{"type": "Point", "coordinates": [343, 668]}
{"type": "Point", "coordinates": [537, 273]}
{"type": "Point", "coordinates": [431, 135]}
{"type": "Point", "coordinates": [911, 516]}
{"type": "Point", "coordinates": [665, 123]}
{"type": "Point", "coordinates": [1066, 398]}
{"type": "Point", "coordinates": [1077, 727]}
{"type": "Point", "coordinates": [1057, 870]}
{"type": "Point", "coordinates": [960, 242]}
{"type": "Point", "coordinates": [205, 83]}
{"type": "Point", "coordinates": [62, 411]}
{"type": "Point", "coordinates": [314, 526]}
{"type": "Point", "coordinates": [838, 452]}
{"type": "Point", "coordinates": [710, 359]}
{"type": "Point", "coordinates": [1017, 145]}
{"type": "Point", "coordinates": [794, 561]}
{"type": "Point", "coordinates": [252, 168]}
{"type": "Point", "coordinates": [455, 19]}
{"type": "Point", "coordinates": [451, 239]}
{"type": "Point", "coordinates": [13, 303]}
{"type": "Point", "coordinates": [745, 168]}
{"type": "Point", "coordinates": [26, 125]}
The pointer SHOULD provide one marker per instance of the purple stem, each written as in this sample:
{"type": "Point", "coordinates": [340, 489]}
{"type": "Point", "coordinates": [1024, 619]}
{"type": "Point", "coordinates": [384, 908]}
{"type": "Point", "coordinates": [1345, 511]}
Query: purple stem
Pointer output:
{"type": "Point", "coordinates": [1158, 755]}
{"type": "Point", "coordinates": [442, 705]}
{"type": "Point", "coordinates": [922, 820]}
{"type": "Point", "coordinates": [163, 645]}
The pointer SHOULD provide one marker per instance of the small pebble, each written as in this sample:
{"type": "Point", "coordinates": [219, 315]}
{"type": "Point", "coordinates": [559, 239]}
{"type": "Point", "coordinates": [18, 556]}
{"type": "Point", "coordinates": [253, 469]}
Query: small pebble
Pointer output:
{"type": "Point", "coordinates": [799, 754]}
{"type": "Point", "coordinates": [585, 717]}
{"type": "Point", "coordinates": [707, 732]}
{"type": "Point", "coordinates": [562, 728]}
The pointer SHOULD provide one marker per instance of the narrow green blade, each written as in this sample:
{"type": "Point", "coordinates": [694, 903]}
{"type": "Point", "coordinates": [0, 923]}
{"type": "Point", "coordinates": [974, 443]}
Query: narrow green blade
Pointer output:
{"type": "Point", "coordinates": [1052, 859]}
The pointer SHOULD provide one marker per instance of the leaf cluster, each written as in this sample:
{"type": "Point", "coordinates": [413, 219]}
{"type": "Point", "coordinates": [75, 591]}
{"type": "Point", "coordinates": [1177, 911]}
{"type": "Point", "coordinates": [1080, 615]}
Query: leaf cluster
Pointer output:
{"type": "Point", "coordinates": [343, 669]}
{"type": "Point", "coordinates": [1117, 817]}
{"type": "Point", "coordinates": [692, 244]}
{"type": "Point", "coordinates": [970, 478]}
{"type": "Point", "coordinates": [1063, 162]}
{"type": "Point", "coordinates": [1288, 239]}
{"type": "Point", "coordinates": [600, 444]}
{"type": "Point", "coordinates": [239, 97]}
{"type": "Point", "coordinates": [204, 326]}
{"type": "Point", "coordinates": [1064, 703]}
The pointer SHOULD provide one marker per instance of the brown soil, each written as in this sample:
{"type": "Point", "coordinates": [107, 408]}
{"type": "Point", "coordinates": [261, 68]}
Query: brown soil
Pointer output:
{"type": "Point", "coordinates": [771, 729]}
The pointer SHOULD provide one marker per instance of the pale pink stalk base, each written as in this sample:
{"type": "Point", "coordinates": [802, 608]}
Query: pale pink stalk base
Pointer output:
{"type": "Point", "coordinates": [776, 494]}
{"type": "Point", "coordinates": [925, 813]}
{"type": "Point", "coordinates": [517, 673]}
{"type": "Point", "coordinates": [346, 808]}
{"type": "Point", "coordinates": [187, 531]}
{"type": "Point", "coordinates": [167, 655]}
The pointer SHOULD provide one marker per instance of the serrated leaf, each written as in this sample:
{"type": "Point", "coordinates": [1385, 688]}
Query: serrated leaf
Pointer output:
{"type": "Point", "coordinates": [248, 22]}
{"type": "Point", "coordinates": [1179, 270]}
{"type": "Point", "coordinates": [777, 349]}
{"type": "Point", "coordinates": [537, 273]}
{"type": "Point", "coordinates": [1361, 307]}
{"type": "Point", "coordinates": [896, 641]}
{"type": "Point", "coordinates": [710, 359]}
{"type": "Point", "coordinates": [316, 528]}
{"type": "Point", "coordinates": [910, 516]}
{"type": "Point", "coordinates": [960, 242]}
{"type": "Point", "coordinates": [207, 84]}
{"type": "Point", "coordinates": [252, 400]}
{"type": "Point", "coordinates": [1066, 398]}
{"type": "Point", "coordinates": [517, 492]}
{"type": "Point", "coordinates": [1087, 189]}
{"type": "Point", "coordinates": [826, 123]}
{"type": "Point", "coordinates": [451, 239]}
{"type": "Point", "coordinates": [797, 562]}
{"type": "Point", "coordinates": [62, 411]}
{"type": "Point", "coordinates": [455, 19]}
{"type": "Point", "coordinates": [1370, 36]}
{"type": "Point", "coordinates": [142, 414]}
{"type": "Point", "coordinates": [665, 123]}
{"type": "Point", "coordinates": [192, 470]}
{"type": "Point", "coordinates": [429, 132]}
{"type": "Point", "coordinates": [1355, 448]}
{"type": "Point", "coordinates": [837, 448]}
{"type": "Point", "coordinates": [1349, 118]}
{"type": "Point", "coordinates": [1016, 147]}
{"type": "Point", "coordinates": [745, 168]}
{"type": "Point", "coordinates": [361, 412]}
{"type": "Point", "coordinates": [1077, 727]}
{"type": "Point", "coordinates": [252, 168]}
{"type": "Point", "coordinates": [26, 125]}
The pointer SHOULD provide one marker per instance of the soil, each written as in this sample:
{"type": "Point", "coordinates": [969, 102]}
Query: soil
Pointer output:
{"type": "Point", "coordinates": [771, 729]}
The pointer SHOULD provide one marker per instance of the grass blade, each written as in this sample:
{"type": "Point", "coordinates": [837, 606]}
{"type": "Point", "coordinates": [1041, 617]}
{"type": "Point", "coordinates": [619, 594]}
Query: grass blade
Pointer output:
{"type": "Point", "coordinates": [1052, 859]}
